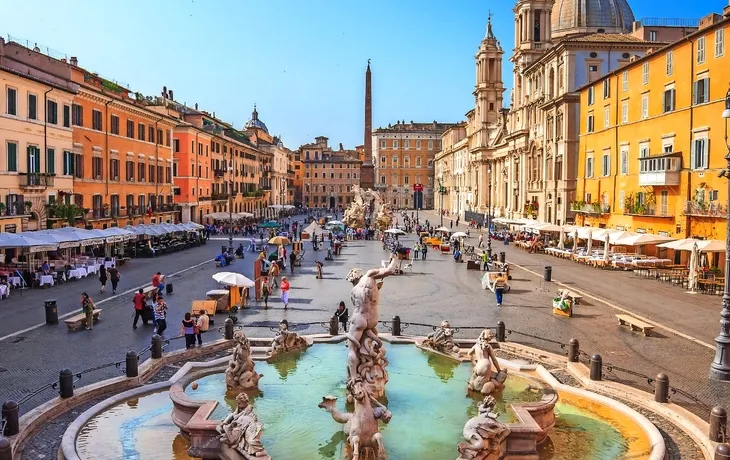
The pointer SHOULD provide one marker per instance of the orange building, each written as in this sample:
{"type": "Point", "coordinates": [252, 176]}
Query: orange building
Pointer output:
{"type": "Point", "coordinates": [329, 175]}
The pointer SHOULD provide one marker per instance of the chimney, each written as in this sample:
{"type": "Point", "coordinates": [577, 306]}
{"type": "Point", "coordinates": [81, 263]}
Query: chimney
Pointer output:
{"type": "Point", "coordinates": [196, 106]}
{"type": "Point", "coordinates": [341, 146]}
{"type": "Point", "coordinates": [170, 93]}
{"type": "Point", "coordinates": [74, 61]}
{"type": "Point", "coordinates": [164, 92]}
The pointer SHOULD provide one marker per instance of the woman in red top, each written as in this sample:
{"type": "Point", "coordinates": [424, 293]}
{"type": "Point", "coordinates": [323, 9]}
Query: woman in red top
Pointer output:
{"type": "Point", "coordinates": [285, 291]}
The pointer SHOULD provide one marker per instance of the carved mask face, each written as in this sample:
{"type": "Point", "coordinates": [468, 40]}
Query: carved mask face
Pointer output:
{"type": "Point", "coordinates": [242, 400]}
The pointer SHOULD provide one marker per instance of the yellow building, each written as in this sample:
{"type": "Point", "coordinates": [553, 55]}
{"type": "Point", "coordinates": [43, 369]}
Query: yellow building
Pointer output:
{"type": "Point", "coordinates": [652, 140]}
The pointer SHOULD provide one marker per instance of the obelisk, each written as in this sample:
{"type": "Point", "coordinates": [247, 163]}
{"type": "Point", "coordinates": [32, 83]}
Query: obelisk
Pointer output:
{"type": "Point", "coordinates": [367, 170]}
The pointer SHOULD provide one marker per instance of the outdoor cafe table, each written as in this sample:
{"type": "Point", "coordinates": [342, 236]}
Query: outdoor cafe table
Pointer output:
{"type": "Point", "coordinates": [46, 279]}
{"type": "Point", "coordinates": [4, 290]}
{"type": "Point", "coordinates": [78, 273]}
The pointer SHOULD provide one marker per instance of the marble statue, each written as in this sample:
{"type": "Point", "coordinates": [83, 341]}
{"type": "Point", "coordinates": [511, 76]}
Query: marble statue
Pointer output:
{"type": "Point", "coordinates": [286, 340]}
{"type": "Point", "coordinates": [442, 340]}
{"type": "Point", "coordinates": [485, 435]}
{"type": "Point", "coordinates": [366, 357]}
{"type": "Point", "coordinates": [360, 208]}
{"type": "Point", "coordinates": [240, 374]}
{"type": "Point", "coordinates": [361, 426]}
{"type": "Point", "coordinates": [241, 430]}
{"type": "Point", "coordinates": [384, 217]}
{"type": "Point", "coordinates": [483, 379]}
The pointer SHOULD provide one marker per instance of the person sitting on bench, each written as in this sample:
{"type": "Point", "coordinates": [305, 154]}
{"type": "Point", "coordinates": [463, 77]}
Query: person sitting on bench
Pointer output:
{"type": "Point", "coordinates": [158, 282]}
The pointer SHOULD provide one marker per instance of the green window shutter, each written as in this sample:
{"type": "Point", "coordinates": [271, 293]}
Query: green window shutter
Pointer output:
{"type": "Point", "coordinates": [51, 161]}
{"type": "Point", "coordinates": [66, 165]}
{"type": "Point", "coordinates": [12, 156]}
{"type": "Point", "coordinates": [692, 154]}
{"type": "Point", "coordinates": [706, 153]}
{"type": "Point", "coordinates": [29, 155]}
{"type": "Point", "coordinates": [37, 153]}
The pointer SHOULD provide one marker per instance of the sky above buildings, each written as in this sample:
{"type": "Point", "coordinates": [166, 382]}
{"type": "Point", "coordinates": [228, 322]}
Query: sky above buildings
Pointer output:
{"type": "Point", "coordinates": [302, 62]}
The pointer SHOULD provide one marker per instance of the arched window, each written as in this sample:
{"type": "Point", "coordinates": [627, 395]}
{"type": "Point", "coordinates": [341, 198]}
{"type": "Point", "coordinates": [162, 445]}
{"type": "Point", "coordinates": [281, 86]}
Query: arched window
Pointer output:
{"type": "Point", "coordinates": [407, 161]}
{"type": "Point", "coordinates": [418, 161]}
{"type": "Point", "coordinates": [406, 179]}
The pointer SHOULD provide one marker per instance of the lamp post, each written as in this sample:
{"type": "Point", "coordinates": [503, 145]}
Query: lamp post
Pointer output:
{"type": "Point", "coordinates": [720, 367]}
{"type": "Point", "coordinates": [489, 211]}
{"type": "Point", "coordinates": [441, 202]}
{"type": "Point", "coordinates": [230, 204]}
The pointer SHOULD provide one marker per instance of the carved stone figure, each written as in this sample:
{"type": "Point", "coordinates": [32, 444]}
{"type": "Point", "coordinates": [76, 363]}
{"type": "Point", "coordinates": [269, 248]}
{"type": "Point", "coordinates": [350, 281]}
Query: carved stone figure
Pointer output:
{"type": "Point", "coordinates": [240, 374]}
{"type": "Point", "coordinates": [366, 357]}
{"type": "Point", "coordinates": [384, 217]}
{"type": "Point", "coordinates": [483, 379]}
{"type": "Point", "coordinates": [442, 340]}
{"type": "Point", "coordinates": [485, 435]}
{"type": "Point", "coordinates": [241, 430]}
{"type": "Point", "coordinates": [361, 426]}
{"type": "Point", "coordinates": [286, 340]}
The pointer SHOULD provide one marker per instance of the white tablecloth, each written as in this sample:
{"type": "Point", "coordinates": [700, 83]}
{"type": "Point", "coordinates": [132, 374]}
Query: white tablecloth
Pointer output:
{"type": "Point", "coordinates": [4, 290]}
{"type": "Point", "coordinates": [47, 279]}
{"type": "Point", "coordinates": [109, 263]}
{"type": "Point", "coordinates": [92, 269]}
{"type": "Point", "coordinates": [14, 280]}
{"type": "Point", "coordinates": [78, 273]}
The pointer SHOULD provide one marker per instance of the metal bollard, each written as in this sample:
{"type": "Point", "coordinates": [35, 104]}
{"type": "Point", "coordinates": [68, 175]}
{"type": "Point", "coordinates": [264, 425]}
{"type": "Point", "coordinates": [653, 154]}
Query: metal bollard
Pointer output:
{"type": "Point", "coordinates": [334, 326]}
{"type": "Point", "coordinates": [573, 351]}
{"type": "Point", "coordinates": [228, 323]}
{"type": "Point", "coordinates": [596, 367]}
{"type": "Point", "coordinates": [661, 388]}
{"type": "Point", "coordinates": [501, 331]}
{"type": "Point", "coordinates": [396, 325]}
{"type": "Point", "coordinates": [156, 348]}
{"type": "Point", "coordinates": [132, 364]}
{"type": "Point", "coordinates": [548, 275]}
{"type": "Point", "coordinates": [11, 415]}
{"type": "Point", "coordinates": [502, 257]}
{"type": "Point", "coordinates": [722, 452]}
{"type": "Point", "coordinates": [6, 450]}
{"type": "Point", "coordinates": [718, 424]}
{"type": "Point", "coordinates": [65, 383]}
{"type": "Point", "coordinates": [51, 311]}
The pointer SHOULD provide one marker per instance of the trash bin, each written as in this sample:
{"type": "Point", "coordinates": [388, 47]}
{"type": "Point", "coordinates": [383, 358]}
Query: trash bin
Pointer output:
{"type": "Point", "coordinates": [548, 273]}
{"type": "Point", "coordinates": [51, 311]}
{"type": "Point", "coordinates": [502, 257]}
{"type": "Point", "coordinates": [168, 288]}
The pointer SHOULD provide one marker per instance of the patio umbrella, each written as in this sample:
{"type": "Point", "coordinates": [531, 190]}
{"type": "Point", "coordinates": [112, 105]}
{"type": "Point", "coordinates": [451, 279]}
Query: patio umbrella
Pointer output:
{"type": "Point", "coordinates": [233, 279]}
{"type": "Point", "coordinates": [395, 231]}
{"type": "Point", "coordinates": [575, 240]}
{"type": "Point", "coordinates": [642, 239]}
{"type": "Point", "coordinates": [458, 235]}
{"type": "Point", "coordinates": [561, 241]}
{"type": "Point", "coordinates": [694, 268]}
{"type": "Point", "coordinates": [277, 240]}
{"type": "Point", "coordinates": [269, 224]}
{"type": "Point", "coordinates": [589, 244]}
{"type": "Point", "coordinates": [606, 249]}
{"type": "Point", "coordinates": [442, 229]}
{"type": "Point", "coordinates": [313, 229]}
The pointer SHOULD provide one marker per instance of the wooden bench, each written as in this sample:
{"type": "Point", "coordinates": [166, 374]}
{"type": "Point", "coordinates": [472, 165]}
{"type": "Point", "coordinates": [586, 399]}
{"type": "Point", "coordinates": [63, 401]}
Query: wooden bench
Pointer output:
{"type": "Point", "coordinates": [635, 324]}
{"type": "Point", "coordinates": [571, 295]}
{"type": "Point", "coordinates": [149, 292]}
{"type": "Point", "coordinates": [78, 321]}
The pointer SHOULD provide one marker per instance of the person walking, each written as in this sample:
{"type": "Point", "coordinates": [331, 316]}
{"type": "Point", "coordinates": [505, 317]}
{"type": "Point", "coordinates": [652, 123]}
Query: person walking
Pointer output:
{"type": "Point", "coordinates": [188, 330]}
{"type": "Point", "coordinates": [500, 283]}
{"type": "Point", "coordinates": [285, 291]}
{"type": "Point", "coordinates": [481, 240]}
{"type": "Point", "coordinates": [485, 260]}
{"type": "Point", "coordinates": [160, 316]}
{"type": "Point", "coordinates": [139, 306]}
{"type": "Point", "coordinates": [102, 277]}
{"type": "Point", "coordinates": [87, 306]}
{"type": "Point", "coordinates": [201, 325]}
{"type": "Point", "coordinates": [274, 274]}
{"type": "Point", "coordinates": [424, 250]}
{"type": "Point", "coordinates": [265, 291]}
{"type": "Point", "coordinates": [114, 277]}
{"type": "Point", "coordinates": [292, 258]}
{"type": "Point", "coordinates": [342, 315]}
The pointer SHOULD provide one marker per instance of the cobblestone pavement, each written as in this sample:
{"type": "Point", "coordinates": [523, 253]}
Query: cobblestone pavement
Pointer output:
{"type": "Point", "coordinates": [437, 289]}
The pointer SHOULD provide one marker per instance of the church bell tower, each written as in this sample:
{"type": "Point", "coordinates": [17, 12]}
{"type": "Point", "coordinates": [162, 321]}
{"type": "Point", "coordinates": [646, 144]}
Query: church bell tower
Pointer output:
{"type": "Point", "coordinates": [489, 86]}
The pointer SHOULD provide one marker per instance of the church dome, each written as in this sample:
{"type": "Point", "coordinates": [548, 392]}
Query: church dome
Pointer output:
{"type": "Point", "coordinates": [591, 16]}
{"type": "Point", "coordinates": [254, 122]}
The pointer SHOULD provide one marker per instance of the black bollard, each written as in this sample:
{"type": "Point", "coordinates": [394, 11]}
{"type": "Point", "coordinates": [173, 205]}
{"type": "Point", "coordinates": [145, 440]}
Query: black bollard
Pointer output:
{"type": "Point", "coordinates": [548, 273]}
{"type": "Point", "coordinates": [66, 383]}
{"type": "Point", "coordinates": [502, 257]}
{"type": "Point", "coordinates": [156, 350]}
{"type": "Point", "coordinates": [132, 364]}
{"type": "Point", "coordinates": [228, 323]}
{"type": "Point", "coordinates": [51, 311]}
{"type": "Point", "coordinates": [573, 351]}
{"type": "Point", "coordinates": [501, 331]}
{"type": "Point", "coordinates": [661, 388]}
{"type": "Point", "coordinates": [718, 424]}
{"type": "Point", "coordinates": [596, 367]}
{"type": "Point", "coordinates": [722, 452]}
{"type": "Point", "coordinates": [11, 415]}
{"type": "Point", "coordinates": [334, 326]}
{"type": "Point", "coordinates": [396, 325]}
{"type": "Point", "coordinates": [6, 450]}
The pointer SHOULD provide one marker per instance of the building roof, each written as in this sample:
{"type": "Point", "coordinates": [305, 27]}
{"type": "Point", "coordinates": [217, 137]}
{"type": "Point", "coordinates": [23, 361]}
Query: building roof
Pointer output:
{"type": "Point", "coordinates": [575, 16]}
{"type": "Point", "coordinates": [402, 126]}
{"type": "Point", "coordinates": [605, 38]}
{"type": "Point", "coordinates": [254, 122]}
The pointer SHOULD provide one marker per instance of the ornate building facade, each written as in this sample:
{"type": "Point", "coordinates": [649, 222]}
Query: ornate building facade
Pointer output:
{"type": "Point", "coordinates": [328, 174]}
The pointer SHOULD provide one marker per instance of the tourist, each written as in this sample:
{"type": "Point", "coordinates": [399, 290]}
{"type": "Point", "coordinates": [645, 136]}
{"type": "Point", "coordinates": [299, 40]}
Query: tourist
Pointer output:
{"type": "Point", "coordinates": [188, 330]}
{"type": "Point", "coordinates": [114, 277]}
{"type": "Point", "coordinates": [485, 259]}
{"type": "Point", "coordinates": [424, 250]}
{"type": "Point", "coordinates": [160, 316]}
{"type": "Point", "coordinates": [158, 282]}
{"type": "Point", "coordinates": [87, 305]}
{"type": "Point", "coordinates": [201, 325]}
{"type": "Point", "coordinates": [46, 268]}
{"type": "Point", "coordinates": [481, 240]}
{"type": "Point", "coordinates": [319, 269]}
{"type": "Point", "coordinates": [416, 250]}
{"type": "Point", "coordinates": [292, 259]}
{"type": "Point", "coordinates": [139, 306]}
{"type": "Point", "coordinates": [274, 275]}
{"type": "Point", "coordinates": [102, 277]}
{"type": "Point", "coordinates": [265, 291]}
{"type": "Point", "coordinates": [500, 283]}
{"type": "Point", "coordinates": [285, 291]}
{"type": "Point", "coordinates": [342, 315]}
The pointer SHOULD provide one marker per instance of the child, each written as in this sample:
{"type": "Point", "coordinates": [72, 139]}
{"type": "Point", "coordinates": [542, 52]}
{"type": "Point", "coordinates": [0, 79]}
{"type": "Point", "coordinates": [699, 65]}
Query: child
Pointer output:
{"type": "Point", "coordinates": [188, 330]}
{"type": "Point", "coordinates": [342, 315]}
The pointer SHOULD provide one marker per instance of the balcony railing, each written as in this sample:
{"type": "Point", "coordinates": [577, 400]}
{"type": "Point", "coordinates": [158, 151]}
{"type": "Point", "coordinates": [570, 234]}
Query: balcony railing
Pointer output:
{"type": "Point", "coordinates": [266, 187]}
{"type": "Point", "coordinates": [705, 209]}
{"type": "Point", "coordinates": [659, 178]}
{"type": "Point", "coordinates": [646, 211]}
{"type": "Point", "coordinates": [587, 208]}
{"type": "Point", "coordinates": [36, 180]}
{"type": "Point", "coordinates": [219, 172]}
{"type": "Point", "coordinates": [219, 196]}
{"type": "Point", "coordinates": [204, 198]}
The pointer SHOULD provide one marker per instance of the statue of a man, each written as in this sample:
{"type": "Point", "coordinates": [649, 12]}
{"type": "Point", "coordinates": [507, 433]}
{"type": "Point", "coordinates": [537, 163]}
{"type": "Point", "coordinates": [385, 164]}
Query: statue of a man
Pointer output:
{"type": "Point", "coordinates": [483, 379]}
{"type": "Point", "coordinates": [241, 430]}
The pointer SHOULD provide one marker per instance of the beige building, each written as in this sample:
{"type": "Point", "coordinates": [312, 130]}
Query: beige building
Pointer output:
{"type": "Point", "coordinates": [36, 140]}
{"type": "Point", "coordinates": [329, 174]}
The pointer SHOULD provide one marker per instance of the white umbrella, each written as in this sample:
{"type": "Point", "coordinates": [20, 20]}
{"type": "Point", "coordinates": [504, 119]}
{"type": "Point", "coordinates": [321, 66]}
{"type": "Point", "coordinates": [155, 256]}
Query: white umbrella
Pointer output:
{"type": "Point", "coordinates": [641, 239]}
{"type": "Point", "coordinates": [561, 241]}
{"type": "Point", "coordinates": [233, 279]}
{"type": "Point", "coordinates": [589, 244]}
{"type": "Point", "coordinates": [395, 231]}
{"type": "Point", "coordinates": [687, 244]}
{"type": "Point", "coordinates": [459, 235]}
{"type": "Point", "coordinates": [694, 268]}
{"type": "Point", "coordinates": [442, 229]}
{"type": "Point", "coordinates": [606, 249]}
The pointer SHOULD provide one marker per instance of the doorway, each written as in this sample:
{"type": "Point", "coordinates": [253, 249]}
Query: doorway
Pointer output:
{"type": "Point", "coordinates": [332, 202]}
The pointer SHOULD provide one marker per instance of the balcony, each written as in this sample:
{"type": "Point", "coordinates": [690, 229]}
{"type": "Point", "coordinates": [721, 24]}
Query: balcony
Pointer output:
{"type": "Point", "coordinates": [219, 196]}
{"type": "Point", "coordinates": [596, 209]}
{"type": "Point", "coordinates": [659, 178]}
{"type": "Point", "coordinates": [204, 198]}
{"type": "Point", "coordinates": [641, 210]}
{"type": "Point", "coordinates": [290, 171]}
{"type": "Point", "coordinates": [712, 209]}
{"type": "Point", "coordinates": [36, 180]}
{"type": "Point", "coordinates": [219, 172]}
{"type": "Point", "coordinates": [266, 187]}
{"type": "Point", "coordinates": [660, 170]}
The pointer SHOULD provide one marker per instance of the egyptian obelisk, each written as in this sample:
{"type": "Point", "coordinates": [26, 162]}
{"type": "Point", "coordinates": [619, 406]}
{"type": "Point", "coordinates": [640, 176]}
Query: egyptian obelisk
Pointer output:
{"type": "Point", "coordinates": [367, 170]}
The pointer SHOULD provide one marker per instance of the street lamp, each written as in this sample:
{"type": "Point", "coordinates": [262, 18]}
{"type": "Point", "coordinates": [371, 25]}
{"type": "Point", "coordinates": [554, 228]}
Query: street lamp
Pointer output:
{"type": "Point", "coordinates": [720, 367]}
{"type": "Point", "coordinates": [441, 202]}
{"type": "Point", "coordinates": [489, 212]}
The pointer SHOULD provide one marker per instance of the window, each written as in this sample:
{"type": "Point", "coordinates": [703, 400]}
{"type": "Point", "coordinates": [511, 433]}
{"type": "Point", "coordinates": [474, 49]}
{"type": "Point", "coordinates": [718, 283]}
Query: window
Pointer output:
{"type": "Point", "coordinates": [624, 162]}
{"type": "Point", "coordinates": [589, 167]}
{"type": "Point", "coordinates": [593, 68]}
{"type": "Point", "coordinates": [591, 95]}
{"type": "Point", "coordinates": [395, 161]}
{"type": "Point", "coordinates": [115, 124]}
{"type": "Point", "coordinates": [405, 179]}
{"type": "Point", "coordinates": [418, 162]}
{"type": "Point", "coordinates": [77, 115]}
{"type": "Point", "coordinates": [606, 117]}
{"type": "Point", "coordinates": [606, 165]}
{"type": "Point", "coordinates": [430, 145]}
{"type": "Point", "coordinates": [97, 168]}
{"type": "Point", "coordinates": [96, 120]}
{"type": "Point", "coordinates": [702, 90]}
{"type": "Point", "coordinates": [114, 169]}
{"type": "Point", "coordinates": [130, 129]}
{"type": "Point", "coordinates": [418, 144]}
{"type": "Point", "coordinates": [51, 161]}
{"type": "Point", "coordinates": [140, 172]}
{"type": "Point", "coordinates": [719, 43]}
{"type": "Point", "coordinates": [625, 112]}
{"type": "Point", "coordinates": [68, 163]}
{"type": "Point", "coordinates": [12, 150]}
{"type": "Point", "coordinates": [669, 100]}
{"type": "Point", "coordinates": [643, 151]}
{"type": "Point", "coordinates": [168, 136]}
{"type": "Point", "coordinates": [645, 73]}
{"type": "Point", "coordinates": [151, 134]}
{"type": "Point", "coordinates": [34, 159]}
{"type": "Point", "coordinates": [151, 175]}
{"type": "Point", "coordinates": [140, 131]}
{"type": "Point", "coordinates": [159, 137]}
{"type": "Point", "coordinates": [382, 144]}
{"type": "Point", "coordinates": [52, 112]}
{"type": "Point", "coordinates": [66, 116]}
{"type": "Point", "coordinates": [625, 81]}
{"type": "Point", "coordinates": [652, 35]}
{"type": "Point", "coordinates": [32, 106]}
{"type": "Point", "coordinates": [407, 144]}
{"type": "Point", "coordinates": [644, 106]}
{"type": "Point", "coordinates": [395, 144]}
{"type": "Point", "coordinates": [12, 101]}
{"type": "Point", "coordinates": [670, 62]}
{"type": "Point", "coordinates": [590, 124]}
{"type": "Point", "coordinates": [78, 168]}
{"type": "Point", "coordinates": [382, 161]}
{"type": "Point", "coordinates": [699, 156]}
{"type": "Point", "coordinates": [176, 145]}
{"type": "Point", "coordinates": [701, 50]}
{"type": "Point", "coordinates": [606, 88]}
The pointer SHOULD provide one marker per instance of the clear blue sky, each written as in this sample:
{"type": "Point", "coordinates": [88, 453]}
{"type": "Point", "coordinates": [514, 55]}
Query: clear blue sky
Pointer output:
{"type": "Point", "coordinates": [301, 61]}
